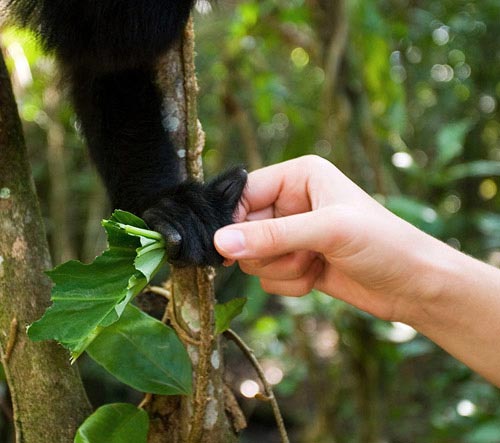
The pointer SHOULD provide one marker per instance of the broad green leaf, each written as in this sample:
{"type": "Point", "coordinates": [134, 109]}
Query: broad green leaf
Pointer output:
{"type": "Point", "coordinates": [88, 298]}
{"type": "Point", "coordinates": [143, 353]}
{"type": "Point", "coordinates": [115, 423]}
{"type": "Point", "coordinates": [225, 313]}
{"type": "Point", "coordinates": [450, 141]}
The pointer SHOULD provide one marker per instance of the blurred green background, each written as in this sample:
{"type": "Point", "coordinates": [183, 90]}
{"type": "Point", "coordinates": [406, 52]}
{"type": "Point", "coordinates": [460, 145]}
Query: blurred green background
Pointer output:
{"type": "Point", "coordinates": [403, 96]}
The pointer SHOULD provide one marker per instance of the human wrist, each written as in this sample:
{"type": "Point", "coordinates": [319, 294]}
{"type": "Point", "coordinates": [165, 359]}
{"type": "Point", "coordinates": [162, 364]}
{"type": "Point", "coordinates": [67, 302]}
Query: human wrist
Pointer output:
{"type": "Point", "coordinates": [451, 280]}
{"type": "Point", "coordinates": [438, 269]}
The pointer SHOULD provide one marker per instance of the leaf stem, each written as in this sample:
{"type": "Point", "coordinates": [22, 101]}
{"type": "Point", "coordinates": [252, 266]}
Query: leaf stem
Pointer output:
{"type": "Point", "coordinates": [142, 232]}
{"type": "Point", "coordinates": [145, 401]}
{"type": "Point", "coordinates": [145, 249]}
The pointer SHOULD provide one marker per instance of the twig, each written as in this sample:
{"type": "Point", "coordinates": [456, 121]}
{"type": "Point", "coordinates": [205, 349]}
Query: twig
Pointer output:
{"type": "Point", "coordinates": [11, 342]}
{"type": "Point", "coordinates": [233, 409]}
{"type": "Point", "coordinates": [170, 316]}
{"type": "Point", "coordinates": [231, 335]}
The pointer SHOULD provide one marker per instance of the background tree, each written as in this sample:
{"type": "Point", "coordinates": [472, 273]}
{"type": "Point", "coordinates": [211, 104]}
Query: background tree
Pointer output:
{"type": "Point", "coordinates": [48, 400]}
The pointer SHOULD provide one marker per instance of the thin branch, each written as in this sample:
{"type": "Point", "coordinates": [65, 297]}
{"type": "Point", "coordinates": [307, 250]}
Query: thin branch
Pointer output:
{"type": "Point", "coordinates": [231, 335]}
{"type": "Point", "coordinates": [170, 316]}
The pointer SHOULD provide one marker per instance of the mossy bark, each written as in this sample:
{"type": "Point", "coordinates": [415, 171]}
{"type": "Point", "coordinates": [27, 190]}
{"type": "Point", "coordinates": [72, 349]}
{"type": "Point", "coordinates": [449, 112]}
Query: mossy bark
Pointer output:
{"type": "Point", "coordinates": [49, 401]}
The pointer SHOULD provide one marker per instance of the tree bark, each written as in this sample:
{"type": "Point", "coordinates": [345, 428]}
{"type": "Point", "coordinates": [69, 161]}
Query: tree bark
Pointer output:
{"type": "Point", "coordinates": [49, 402]}
{"type": "Point", "coordinates": [200, 418]}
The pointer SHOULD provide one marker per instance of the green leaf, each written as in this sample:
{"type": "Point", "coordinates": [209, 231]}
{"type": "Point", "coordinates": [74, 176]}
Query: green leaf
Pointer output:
{"type": "Point", "coordinates": [115, 423]}
{"type": "Point", "coordinates": [143, 353]}
{"type": "Point", "coordinates": [88, 298]}
{"type": "Point", "coordinates": [450, 141]}
{"type": "Point", "coordinates": [225, 313]}
{"type": "Point", "coordinates": [126, 218]}
{"type": "Point", "coordinates": [478, 168]}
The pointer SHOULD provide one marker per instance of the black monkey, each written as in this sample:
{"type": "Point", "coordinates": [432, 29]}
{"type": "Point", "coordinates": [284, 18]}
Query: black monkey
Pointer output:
{"type": "Point", "coordinates": [107, 49]}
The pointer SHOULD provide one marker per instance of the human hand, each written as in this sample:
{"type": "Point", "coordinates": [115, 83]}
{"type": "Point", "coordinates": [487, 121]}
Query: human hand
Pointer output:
{"type": "Point", "coordinates": [308, 226]}
{"type": "Point", "coordinates": [304, 225]}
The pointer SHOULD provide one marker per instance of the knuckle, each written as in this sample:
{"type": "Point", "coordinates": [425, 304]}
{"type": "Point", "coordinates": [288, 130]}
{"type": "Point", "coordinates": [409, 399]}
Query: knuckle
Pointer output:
{"type": "Point", "coordinates": [273, 233]}
{"type": "Point", "coordinates": [276, 232]}
{"type": "Point", "coordinates": [250, 267]}
{"type": "Point", "coordinates": [304, 287]}
{"type": "Point", "coordinates": [297, 267]}
{"type": "Point", "coordinates": [314, 161]}
{"type": "Point", "coordinates": [267, 285]}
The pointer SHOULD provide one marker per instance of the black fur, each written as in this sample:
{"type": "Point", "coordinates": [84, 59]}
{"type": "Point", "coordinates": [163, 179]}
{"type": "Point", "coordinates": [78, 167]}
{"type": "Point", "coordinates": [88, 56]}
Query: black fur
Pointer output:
{"type": "Point", "coordinates": [108, 49]}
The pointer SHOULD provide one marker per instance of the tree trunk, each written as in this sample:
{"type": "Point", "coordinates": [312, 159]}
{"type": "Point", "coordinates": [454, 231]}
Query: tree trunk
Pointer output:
{"type": "Point", "coordinates": [48, 399]}
{"type": "Point", "coordinates": [200, 418]}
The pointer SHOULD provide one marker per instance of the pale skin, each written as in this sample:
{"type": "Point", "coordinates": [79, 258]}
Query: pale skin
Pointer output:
{"type": "Point", "coordinates": [304, 225]}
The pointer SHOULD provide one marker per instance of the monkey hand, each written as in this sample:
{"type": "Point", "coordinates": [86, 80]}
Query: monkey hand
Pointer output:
{"type": "Point", "coordinates": [189, 215]}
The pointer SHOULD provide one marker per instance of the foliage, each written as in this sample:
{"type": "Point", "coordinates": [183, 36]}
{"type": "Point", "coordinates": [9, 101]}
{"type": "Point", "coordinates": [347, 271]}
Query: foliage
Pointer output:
{"type": "Point", "coordinates": [89, 298]}
{"type": "Point", "coordinates": [91, 311]}
{"type": "Point", "coordinates": [115, 423]}
{"type": "Point", "coordinates": [225, 313]}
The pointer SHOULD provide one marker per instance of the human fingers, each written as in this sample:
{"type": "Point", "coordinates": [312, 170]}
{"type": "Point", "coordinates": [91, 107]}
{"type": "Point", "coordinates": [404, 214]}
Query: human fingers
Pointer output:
{"type": "Point", "coordinates": [269, 238]}
{"type": "Point", "coordinates": [287, 267]}
{"type": "Point", "coordinates": [296, 287]}
{"type": "Point", "coordinates": [284, 184]}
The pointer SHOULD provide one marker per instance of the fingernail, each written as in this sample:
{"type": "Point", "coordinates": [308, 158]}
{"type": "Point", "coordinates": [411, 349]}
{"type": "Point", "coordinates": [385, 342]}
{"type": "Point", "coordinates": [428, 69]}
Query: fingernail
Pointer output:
{"type": "Point", "coordinates": [230, 241]}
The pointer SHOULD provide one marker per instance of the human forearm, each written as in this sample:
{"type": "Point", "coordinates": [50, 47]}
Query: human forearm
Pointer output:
{"type": "Point", "coordinates": [463, 313]}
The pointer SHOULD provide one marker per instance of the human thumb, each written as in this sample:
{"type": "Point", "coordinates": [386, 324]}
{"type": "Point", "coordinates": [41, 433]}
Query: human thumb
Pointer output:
{"type": "Point", "coordinates": [277, 236]}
